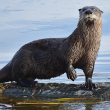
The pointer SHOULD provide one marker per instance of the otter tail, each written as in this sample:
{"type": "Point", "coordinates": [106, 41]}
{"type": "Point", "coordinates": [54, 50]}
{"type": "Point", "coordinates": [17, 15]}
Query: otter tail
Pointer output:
{"type": "Point", "coordinates": [5, 74]}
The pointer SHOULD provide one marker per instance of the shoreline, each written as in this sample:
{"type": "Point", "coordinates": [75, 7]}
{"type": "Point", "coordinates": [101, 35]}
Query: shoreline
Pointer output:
{"type": "Point", "coordinates": [56, 90]}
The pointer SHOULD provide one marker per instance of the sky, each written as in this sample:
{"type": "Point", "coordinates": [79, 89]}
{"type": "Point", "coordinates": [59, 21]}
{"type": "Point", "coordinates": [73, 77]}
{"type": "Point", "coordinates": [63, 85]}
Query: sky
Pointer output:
{"type": "Point", "coordinates": [22, 21]}
{"type": "Point", "coordinates": [43, 10]}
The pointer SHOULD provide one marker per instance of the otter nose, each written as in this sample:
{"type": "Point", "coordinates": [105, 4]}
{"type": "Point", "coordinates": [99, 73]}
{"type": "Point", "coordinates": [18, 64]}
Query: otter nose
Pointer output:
{"type": "Point", "coordinates": [88, 12]}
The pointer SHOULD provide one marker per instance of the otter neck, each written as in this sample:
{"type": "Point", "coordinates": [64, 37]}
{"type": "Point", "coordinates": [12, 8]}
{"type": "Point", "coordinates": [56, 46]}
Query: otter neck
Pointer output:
{"type": "Point", "coordinates": [90, 29]}
{"type": "Point", "coordinates": [91, 34]}
{"type": "Point", "coordinates": [87, 35]}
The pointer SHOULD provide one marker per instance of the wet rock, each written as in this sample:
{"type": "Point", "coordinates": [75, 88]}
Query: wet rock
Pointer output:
{"type": "Point", "coordinates": [56, 90]}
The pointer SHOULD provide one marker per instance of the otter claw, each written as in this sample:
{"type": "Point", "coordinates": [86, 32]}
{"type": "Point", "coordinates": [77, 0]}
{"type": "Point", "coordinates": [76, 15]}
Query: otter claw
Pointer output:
{"type": "Point", "coordinates": [89, 85]}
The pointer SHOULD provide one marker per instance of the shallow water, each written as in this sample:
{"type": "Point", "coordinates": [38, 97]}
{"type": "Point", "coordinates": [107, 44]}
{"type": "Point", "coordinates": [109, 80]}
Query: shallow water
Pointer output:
{"type": "Point", "coordinates": [24, 21]}
{"type": "Point", "coordinates": [25, 103]}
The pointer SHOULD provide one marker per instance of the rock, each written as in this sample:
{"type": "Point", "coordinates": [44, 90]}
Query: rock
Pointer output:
{"type": "Point", "coordinates": [58, 90]}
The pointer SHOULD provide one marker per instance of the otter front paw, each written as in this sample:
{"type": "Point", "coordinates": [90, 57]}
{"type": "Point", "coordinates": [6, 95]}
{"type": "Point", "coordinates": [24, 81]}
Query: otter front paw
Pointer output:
{"type": "Point", "coordinates": [89, 85]}
{"type": "Point", "coordinates": [71, 73]}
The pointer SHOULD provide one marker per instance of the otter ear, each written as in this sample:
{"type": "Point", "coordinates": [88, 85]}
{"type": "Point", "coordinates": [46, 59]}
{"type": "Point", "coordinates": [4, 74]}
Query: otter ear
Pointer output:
{"type": "Point", "coordinates": [79, 9]}
{"type": "Point", "coordinates": [101, 11]}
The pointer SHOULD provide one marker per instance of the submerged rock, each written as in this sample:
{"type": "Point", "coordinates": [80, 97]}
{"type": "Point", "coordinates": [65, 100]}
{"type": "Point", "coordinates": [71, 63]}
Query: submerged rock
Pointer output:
{"type": "Point", "coordinates": [58, 90]}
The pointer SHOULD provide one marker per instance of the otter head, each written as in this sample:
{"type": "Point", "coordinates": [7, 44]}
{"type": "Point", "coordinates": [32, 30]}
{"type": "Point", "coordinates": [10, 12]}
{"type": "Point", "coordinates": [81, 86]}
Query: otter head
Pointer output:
{"type": "Point", "coordinates": [90, 14]}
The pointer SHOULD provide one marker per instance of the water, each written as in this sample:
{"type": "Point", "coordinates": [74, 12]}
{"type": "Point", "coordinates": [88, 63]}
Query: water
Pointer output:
{"type": "Point", "coordinates": [25, 103]}
{"type": "Point", "coordinates": [27, 20]}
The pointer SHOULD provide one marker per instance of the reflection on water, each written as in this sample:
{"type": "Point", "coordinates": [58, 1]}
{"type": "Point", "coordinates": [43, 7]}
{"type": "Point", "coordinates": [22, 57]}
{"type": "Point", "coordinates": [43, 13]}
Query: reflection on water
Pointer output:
{"type": "Point", "coordinates": [24, 21]}
{"type": "Point", "coordinates": [27, 103]}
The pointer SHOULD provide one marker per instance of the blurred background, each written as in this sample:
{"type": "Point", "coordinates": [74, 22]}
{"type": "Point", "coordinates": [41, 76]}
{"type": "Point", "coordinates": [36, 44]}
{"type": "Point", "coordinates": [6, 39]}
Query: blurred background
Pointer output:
{"type": "Point", "coordinates": [22, 21]}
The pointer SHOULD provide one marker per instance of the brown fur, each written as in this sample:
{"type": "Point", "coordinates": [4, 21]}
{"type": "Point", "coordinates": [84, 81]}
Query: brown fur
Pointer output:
{"type": "Point", "coordinates": [47, 58]}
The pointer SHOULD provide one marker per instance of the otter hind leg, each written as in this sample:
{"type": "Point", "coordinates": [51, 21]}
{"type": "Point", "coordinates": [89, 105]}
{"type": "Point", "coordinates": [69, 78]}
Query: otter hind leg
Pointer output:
{"type": "Point", "coordinates": [88, 70]}
{"type": "Point", "coordinates": [26, 83]}
{"type": "Point", "coordinates": [23, 73]}
{"type": "Point", "coordinates": [71, 73]}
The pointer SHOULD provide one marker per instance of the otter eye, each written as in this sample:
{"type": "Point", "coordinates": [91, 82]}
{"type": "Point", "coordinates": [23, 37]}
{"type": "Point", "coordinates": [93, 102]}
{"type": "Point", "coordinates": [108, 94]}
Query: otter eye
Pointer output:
{"type": "Point", "coordinates": [84, 9]}
{"type": "Point", "coordinates": [94, 9]}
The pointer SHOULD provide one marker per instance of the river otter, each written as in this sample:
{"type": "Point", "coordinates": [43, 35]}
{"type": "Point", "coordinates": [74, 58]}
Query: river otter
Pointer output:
{"type": "Point", "coordinates": [51, 57]}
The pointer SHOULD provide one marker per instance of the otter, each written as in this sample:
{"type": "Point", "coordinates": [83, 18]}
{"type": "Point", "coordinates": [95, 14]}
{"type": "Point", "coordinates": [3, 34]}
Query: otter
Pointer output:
{"type": "Point", "coordinates": [51, 57]}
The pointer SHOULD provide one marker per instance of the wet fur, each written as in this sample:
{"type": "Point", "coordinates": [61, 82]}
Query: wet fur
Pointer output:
{"type": "Point", "coordinates": [47, 58]}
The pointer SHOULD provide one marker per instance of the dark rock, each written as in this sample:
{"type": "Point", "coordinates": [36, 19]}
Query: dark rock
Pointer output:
{"type": "Point", "coordinates": [55, 90]}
